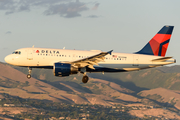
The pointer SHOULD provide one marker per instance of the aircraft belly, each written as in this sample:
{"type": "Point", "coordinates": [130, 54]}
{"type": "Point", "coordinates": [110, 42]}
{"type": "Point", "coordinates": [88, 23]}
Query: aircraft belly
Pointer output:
{"type": "Point", "coordinates": [118, 67]}
{"type": "Point", "coordinates": [121, 66]}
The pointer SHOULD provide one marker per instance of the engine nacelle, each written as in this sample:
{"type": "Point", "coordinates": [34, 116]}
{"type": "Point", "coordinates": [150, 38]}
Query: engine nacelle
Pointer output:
{"type": "Point", "coordinates": [63, 69]}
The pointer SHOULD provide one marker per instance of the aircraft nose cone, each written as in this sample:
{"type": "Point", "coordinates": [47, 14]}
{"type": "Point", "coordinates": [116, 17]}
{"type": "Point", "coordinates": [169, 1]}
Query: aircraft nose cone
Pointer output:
{"type": "Point", "coordinates": [7, 59]}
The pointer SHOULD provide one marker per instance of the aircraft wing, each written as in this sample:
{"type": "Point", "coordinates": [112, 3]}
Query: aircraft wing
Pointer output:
{"type": "Point", "coordinates": [90, 61]}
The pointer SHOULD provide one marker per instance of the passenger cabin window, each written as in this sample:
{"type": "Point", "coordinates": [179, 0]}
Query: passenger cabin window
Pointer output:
{"type": "Point", "coordinates": [17, 52]}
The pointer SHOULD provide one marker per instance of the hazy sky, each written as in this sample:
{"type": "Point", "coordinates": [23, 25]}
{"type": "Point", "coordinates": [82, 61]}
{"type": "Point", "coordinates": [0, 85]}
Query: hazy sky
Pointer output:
{"type": "Point", "coordinates": [121, 25]}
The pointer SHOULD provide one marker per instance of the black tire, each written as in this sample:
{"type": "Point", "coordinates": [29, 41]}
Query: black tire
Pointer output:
{"type": "Point", "coordinates": [85, 79]}
{"type": "Point", "coordinates": [28, 76]}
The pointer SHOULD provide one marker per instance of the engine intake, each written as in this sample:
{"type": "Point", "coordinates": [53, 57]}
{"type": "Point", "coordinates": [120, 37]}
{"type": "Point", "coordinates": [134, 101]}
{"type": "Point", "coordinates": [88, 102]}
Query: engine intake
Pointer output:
{"type": "Point", "coordinates": [63, 69]}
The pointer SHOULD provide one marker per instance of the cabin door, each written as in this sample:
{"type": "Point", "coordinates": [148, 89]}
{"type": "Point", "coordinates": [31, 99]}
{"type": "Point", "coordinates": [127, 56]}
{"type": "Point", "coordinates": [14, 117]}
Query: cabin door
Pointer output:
{"type": "Point", "coordinates": [135, 60]}
{"type": "Point", "coordinates": [30, 55]}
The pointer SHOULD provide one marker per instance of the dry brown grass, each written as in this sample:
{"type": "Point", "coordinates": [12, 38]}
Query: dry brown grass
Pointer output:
{"type": "Point", "coordinates": [155, 112]}
{"type": "Point", "coordinates": [167, 95]}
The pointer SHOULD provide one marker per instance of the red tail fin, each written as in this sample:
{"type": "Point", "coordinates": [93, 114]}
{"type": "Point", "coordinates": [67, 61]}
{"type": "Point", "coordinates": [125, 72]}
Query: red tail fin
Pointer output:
{"type": "Point", "coordinates": [159, 43]}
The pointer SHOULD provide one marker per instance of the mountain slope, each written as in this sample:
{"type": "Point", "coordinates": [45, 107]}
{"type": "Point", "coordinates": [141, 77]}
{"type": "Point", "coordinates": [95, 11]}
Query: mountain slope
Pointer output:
{"type": "Point", "coordinates": [146, 88]}
{"type": "Point", "coordinates": [146, 79]}
{"type": "Point", "coordinates": [163, 95]}
{"type": "Point", "coordinates": [68, 89]}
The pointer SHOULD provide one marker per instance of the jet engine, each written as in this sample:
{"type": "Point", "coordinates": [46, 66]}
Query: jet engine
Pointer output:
{"type": "Point", "coordinates": [64, 69]}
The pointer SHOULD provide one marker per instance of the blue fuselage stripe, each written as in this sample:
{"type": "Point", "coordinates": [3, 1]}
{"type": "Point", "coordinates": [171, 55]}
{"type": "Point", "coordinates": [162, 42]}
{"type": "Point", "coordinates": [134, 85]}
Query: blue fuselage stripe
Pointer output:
{"type": "Point", "coordinates": [161, 45]}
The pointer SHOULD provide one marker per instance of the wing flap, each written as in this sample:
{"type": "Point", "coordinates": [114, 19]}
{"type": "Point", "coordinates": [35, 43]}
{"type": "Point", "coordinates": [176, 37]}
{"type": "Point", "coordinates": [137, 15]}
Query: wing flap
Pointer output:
{"type": "Point", "coordinates": [90, 61]}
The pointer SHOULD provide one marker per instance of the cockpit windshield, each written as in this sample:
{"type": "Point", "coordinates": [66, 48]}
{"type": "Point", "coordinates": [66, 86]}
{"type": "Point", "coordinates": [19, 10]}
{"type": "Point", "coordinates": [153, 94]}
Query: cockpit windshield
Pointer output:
{"type": "Point", "coordinates": [17, 52]}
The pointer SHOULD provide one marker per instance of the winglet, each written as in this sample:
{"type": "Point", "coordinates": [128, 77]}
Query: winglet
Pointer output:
{"type": "Point", "coordinates": [110, 52]}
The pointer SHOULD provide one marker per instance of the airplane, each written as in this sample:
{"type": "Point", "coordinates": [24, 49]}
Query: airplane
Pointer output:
{"type": "Point", "coordinates": [67, 62]}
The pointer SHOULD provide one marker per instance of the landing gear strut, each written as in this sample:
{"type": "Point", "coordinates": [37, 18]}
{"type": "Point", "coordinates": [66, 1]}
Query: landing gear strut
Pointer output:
{"type": "Point", "coordinates": [29, 75]}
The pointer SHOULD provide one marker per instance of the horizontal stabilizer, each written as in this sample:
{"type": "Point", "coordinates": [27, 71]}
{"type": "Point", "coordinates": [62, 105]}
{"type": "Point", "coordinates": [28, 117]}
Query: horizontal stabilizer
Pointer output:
{"type": "Point", "coordinates": [162, 59]}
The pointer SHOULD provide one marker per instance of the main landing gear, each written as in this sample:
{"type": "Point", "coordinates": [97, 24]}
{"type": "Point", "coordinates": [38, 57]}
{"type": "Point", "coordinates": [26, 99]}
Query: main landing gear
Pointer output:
{"type": "Point", "coordinates": [29, 75]}
{"type": "Point", "coordinates": [85, 78]}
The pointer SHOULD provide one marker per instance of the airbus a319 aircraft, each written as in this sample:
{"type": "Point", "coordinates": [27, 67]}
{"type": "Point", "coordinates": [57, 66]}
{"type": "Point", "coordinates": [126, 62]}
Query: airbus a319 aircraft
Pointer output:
{"type": "Point", "coordinates": [67, 62]}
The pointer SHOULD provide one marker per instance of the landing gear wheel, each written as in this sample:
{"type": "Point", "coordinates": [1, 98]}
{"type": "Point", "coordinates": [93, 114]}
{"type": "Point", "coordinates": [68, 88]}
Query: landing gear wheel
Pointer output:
{"type": "Point", "coordinates": [28, 76]}
{"type": "Point", "coordinates": [85, 79]}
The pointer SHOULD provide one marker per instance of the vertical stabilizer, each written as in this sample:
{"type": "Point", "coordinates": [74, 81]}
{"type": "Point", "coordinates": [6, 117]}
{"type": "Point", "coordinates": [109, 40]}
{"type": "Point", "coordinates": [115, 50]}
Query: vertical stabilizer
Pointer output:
{"type": "Point", "coordinates": [159, 43]}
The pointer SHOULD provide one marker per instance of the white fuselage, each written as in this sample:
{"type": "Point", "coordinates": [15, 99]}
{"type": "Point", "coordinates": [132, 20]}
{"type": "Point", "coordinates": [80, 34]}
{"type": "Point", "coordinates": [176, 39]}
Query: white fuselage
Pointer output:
{"type": "Point", "coordinates": [45, 58]}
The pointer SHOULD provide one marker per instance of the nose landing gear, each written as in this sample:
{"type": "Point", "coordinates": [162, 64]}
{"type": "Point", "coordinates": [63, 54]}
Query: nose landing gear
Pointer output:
{"type": "Point", "coordinates": [29, 75]}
